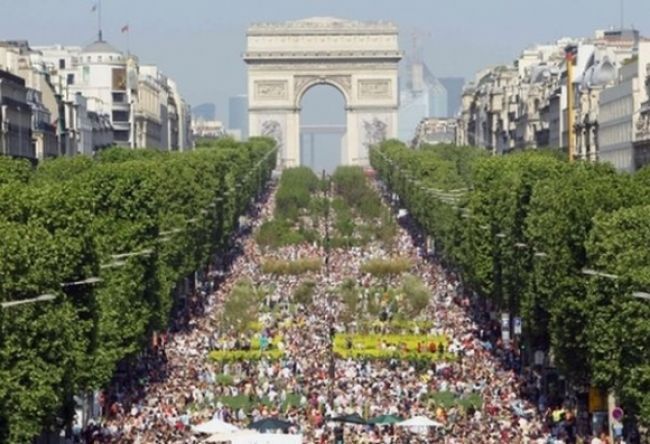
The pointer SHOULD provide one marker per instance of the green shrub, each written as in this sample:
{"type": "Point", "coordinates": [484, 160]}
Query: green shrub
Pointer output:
{"type": "Point", "coordinates": [282, 267]}
{"type": "Point", "coordinates": [386, 267]}
{"type": "Point", "coordinates": [304, 294]}
{"type": "Point", "coordinates": [241, 307]}
{"type": "Point", "coordinates": [279, 233]}
{"type": "Point", "coordinates": [228, 356]}
{"type": "Point", "coordinates": [294, 192]}
{"type": "Point", "coordinates": [224, 379]}
{"type": "Point", "coordinates": [416, 295]}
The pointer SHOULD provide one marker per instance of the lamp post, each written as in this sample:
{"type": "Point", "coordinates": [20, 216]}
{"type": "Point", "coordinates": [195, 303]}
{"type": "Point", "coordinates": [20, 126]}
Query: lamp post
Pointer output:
{"type": "Point", "coordinates": [87, 281]}
{"type": "Point", "coordinates": [41, 298]}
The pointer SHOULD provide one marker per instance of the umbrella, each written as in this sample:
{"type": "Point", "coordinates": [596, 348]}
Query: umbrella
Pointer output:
{"type": "Point", "coordinates": [351, 419]}
{"type": "Point", "coordinates": [385, 420]}
{"type": "Point", "coordinates": [419, 421]}
{"type": "Point", "coordinates": [265, 424]}
{"type": "Point", "coordinates": [228, 437]}
{"type": "Point", "coordinates": [214, 426]}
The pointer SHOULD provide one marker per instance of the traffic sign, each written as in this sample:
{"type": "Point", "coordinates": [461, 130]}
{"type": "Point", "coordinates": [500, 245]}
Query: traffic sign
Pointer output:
{"type": "Point", "coordinates": [517, 326]}
{"type": "Point", "coordinates": [617, 413]}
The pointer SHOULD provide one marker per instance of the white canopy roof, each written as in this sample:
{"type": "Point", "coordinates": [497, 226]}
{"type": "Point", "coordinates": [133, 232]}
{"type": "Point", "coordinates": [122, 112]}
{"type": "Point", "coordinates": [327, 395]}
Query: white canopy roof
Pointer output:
{"type": "Point", "coordinates": [419, 421]}
{"type": "Point", "coordinates": [214, 426]}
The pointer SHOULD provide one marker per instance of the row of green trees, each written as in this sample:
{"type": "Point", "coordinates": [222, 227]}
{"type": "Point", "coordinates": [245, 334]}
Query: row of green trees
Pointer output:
{"type": "Point", "coordinates": [141, 221]}
{"type": "Point", "coordinates": [523, 229]}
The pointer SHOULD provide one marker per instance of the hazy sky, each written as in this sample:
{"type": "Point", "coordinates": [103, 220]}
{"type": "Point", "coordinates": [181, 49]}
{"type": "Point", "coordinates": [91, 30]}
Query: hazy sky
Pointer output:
{"type": "Point", "coordinates": [199, 42]}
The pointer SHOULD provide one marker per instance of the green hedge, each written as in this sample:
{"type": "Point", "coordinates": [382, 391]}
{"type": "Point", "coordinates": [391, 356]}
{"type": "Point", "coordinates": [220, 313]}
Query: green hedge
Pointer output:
{"type": "Point", "coordinates": [386, 267]}
{"type": "Point", "coordinates": [228, 356]}
{"type": "Point", "coordinates": [297, 267]}
{"type": "Point", "coordinates": [294, 192]}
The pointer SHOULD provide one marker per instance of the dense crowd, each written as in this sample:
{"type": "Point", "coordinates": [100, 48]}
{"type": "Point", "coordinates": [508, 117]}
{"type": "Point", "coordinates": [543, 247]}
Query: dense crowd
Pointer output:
{"type": "Point", "coordinates": [174, 385]}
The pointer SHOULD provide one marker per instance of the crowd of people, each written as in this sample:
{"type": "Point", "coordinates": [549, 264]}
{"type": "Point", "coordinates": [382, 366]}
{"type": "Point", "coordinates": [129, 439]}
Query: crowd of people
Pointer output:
{"type": "Point", "coordinates": [175, 386]}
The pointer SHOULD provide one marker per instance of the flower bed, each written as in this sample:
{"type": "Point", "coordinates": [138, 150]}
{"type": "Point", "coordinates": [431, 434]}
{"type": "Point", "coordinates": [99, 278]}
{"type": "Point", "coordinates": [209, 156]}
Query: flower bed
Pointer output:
{"type": "Point", "coordinates": [404, 347]}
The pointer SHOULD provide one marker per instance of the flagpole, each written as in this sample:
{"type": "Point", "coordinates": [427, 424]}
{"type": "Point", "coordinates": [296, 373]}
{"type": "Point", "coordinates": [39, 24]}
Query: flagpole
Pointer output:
{"type": "Point", "coordinates": [99, 19]}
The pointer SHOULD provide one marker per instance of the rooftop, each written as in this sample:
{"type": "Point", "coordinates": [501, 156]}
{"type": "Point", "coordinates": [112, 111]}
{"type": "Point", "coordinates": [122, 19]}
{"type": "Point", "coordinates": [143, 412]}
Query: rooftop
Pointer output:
{"type": "Point", "coordinates": [100, 46]}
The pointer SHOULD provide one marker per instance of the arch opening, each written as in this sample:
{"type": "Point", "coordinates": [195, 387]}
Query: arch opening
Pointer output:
{"type": "Point", "coordinates": [323, 127]}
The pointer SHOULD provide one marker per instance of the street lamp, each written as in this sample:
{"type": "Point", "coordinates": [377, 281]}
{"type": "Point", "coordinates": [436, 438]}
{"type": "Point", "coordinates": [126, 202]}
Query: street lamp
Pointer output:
{"type": "Point", "coordinates": [115, 264]}
{"type": "Point", "coordinates": [641, 295]}
{"type": "Point", "coordinates": [41, 298]}
{"type": "Point", "coordinates": [144, 252]}
{"type": "Point", "coordinates": [88, 281]}
{"type": "Point", "coordinates": [590, 272]}
{"type": "Point", "coordinates": [540, 254]}
{"type": "Point", "coordinates": [172, 231]}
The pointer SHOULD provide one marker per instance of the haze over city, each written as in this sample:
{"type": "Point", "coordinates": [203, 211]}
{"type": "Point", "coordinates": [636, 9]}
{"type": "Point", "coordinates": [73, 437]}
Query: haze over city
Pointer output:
{"type": "Point", "coordinates": [200, 42]}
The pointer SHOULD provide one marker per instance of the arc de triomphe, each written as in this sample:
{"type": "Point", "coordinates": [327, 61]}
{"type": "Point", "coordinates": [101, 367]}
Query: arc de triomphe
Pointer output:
{"type": "Point", "coordinates": [358, 58]}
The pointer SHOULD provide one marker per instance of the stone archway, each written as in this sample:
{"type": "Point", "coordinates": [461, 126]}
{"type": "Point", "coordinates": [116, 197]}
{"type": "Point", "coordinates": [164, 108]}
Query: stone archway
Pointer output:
{"type": "Point", "coordinates": [358, 58]}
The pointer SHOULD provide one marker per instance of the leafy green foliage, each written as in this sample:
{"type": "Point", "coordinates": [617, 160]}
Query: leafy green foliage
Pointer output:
{"type": "Point", "coordinates": [522, 227]}
{"type": "Point", "coordinates": [294, 192]}
{"type": "Point", "coordinates": [386, 267]}
{"type": "Point", "coordinates": [241, 307]}
{"type": "Point", "coordinates": [304, 294]}
{"type": "Point", "coordinates": [416, 295]}
{"type": "Point", "coordinates": [64, 222]}
{"type": "Point", "coordinates": [297, 267]}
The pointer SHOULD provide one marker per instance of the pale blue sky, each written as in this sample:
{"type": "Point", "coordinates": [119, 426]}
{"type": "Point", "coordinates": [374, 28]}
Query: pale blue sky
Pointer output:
{"type": "Point", "coordinates": [199, 42]}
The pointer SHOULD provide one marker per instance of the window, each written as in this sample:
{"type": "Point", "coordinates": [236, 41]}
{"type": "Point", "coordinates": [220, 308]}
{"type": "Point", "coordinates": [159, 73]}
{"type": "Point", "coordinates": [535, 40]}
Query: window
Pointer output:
{"type": "Point", "coordinates": [70, 79]}
{"type": "Point", "coordinates": [119, 97]}
{"type": "Point", "coordinates": [61, 63]}
{"type": "Point", "coordinates": [120, 116]}
{"type": "Point", "coordinates": [121, 136]}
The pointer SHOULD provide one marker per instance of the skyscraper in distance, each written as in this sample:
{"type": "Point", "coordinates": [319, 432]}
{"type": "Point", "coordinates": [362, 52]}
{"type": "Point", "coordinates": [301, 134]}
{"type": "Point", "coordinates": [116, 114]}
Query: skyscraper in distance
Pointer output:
{"type": "Point", "coordinates": [238, 114]}
{"type": "Point", "coordinates": [454, 87]}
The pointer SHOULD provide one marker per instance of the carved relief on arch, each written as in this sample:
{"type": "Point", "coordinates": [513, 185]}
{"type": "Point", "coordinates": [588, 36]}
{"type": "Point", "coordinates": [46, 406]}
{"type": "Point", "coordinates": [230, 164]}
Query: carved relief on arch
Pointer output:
{"type": "Point", "coordinates": [272, 129]}
{"type": "Point", "coordinates": [271, 89]}
{"type": "Point", "coordinates": [374, 88]}
{"type": "Point", "coordinates": [342, 82]}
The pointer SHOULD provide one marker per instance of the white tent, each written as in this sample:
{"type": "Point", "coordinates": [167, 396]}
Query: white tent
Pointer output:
{"type": "Point", "coordinates": [419, 421]}
{"type": "Point", "coordinates": [252, 437]}
{"type": "Point", "coordinates": [214, 426]}
{"type": "Point", "coordinates": [231, 437]}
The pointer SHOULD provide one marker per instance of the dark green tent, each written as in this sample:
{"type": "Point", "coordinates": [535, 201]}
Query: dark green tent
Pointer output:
{"type": "Point", "coordinates": [349, 419]}
{"type": "Point", "coordinates": [266, 424]}
{"type": "Point", "coordinates": [385, 420]}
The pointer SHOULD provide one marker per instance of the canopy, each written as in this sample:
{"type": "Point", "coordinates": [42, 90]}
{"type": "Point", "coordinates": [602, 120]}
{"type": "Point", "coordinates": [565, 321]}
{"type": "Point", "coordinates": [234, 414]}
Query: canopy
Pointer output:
{"type": "Point", "coordinates": [419, 421]}
{"type": "Point", "coordinates": [385, 419]}
{"type": "Point", "coordinates": [214, 426]}
{"type": "Point", "coordinates": [253, 437]}
{"type": "Point", "coordinates": [233, 437]}
{"type": "Point", "coordinates": [351, 419]}
{"type": "Point", "coordinates": [266, 424]}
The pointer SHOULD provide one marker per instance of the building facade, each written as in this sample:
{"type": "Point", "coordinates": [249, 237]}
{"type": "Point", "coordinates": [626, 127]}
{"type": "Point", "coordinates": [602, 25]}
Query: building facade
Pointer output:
{"type": "Point", "coordinates": [434, 131]}
{"type": "Point", "coordinates": [524, 105]}
{"type": "Point", "coordinates": [15, 118]}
